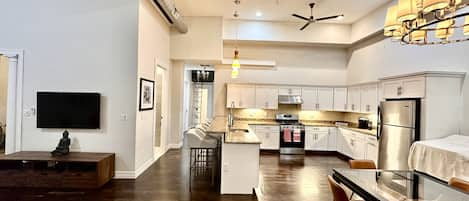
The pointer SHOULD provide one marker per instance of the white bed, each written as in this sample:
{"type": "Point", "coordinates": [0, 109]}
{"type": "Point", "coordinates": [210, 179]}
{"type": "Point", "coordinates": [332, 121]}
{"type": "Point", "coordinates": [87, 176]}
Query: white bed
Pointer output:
{"type": "Point", "coordinates": [442, 158]}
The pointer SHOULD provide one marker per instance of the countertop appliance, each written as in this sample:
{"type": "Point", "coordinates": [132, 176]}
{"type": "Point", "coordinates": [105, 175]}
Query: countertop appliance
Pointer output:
{"type": "Point", "coordinates": [292, 134]}
{"type": "Point", "coordinates": [399, 127]}
{"type": "Point", "coordinates": [363, 123]}
{"type": "Point", "coordinates": [290, 99]}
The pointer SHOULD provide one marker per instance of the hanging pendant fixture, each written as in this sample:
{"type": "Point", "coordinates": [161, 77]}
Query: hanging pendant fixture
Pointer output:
{"type": "Point", "coordinates": [428, 22]}
{"type": "Point", "coordinates": [235, 66]}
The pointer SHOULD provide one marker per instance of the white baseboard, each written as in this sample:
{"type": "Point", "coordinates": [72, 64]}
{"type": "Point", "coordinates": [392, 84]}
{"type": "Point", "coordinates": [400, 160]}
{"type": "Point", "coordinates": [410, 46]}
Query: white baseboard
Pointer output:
{"type": "Point", "coordinates": [124, 175]}
{"type": "Point", "coordinates": [139, 171]}
{"type": "Point", "coordinates": [175, 146]}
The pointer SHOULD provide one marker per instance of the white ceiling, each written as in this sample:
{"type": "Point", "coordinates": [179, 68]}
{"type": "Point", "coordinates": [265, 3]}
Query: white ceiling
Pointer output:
{"type": "Point", "coordinates": [279, 10]}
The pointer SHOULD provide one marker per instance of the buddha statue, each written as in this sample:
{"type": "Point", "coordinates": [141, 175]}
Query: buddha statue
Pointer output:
{"type": "Point", "coordinates": [63, 148]}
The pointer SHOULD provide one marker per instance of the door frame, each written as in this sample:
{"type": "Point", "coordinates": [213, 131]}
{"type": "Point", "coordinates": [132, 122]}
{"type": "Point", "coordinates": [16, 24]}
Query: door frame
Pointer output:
{"type": "Point", "coordinates": [13, 142]}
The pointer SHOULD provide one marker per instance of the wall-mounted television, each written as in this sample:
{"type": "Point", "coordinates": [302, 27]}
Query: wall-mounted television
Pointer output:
{"type": "Point", "coordinates": [68, 110]}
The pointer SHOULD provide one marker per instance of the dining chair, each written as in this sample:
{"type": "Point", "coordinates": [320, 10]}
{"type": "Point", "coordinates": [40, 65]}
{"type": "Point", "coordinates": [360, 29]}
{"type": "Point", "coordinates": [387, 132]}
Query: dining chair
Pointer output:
{"type": "Point", "coordinates": [337, 191]}
{"type": "Point", "coordinates": [459, 183]}
{"type": "Point", "coordinates": [362, 164]}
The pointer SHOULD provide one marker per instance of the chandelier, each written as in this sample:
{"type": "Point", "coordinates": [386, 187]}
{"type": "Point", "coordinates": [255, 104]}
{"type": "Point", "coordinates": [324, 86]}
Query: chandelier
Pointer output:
{"type": "Point", "coordinates": [427, 22]}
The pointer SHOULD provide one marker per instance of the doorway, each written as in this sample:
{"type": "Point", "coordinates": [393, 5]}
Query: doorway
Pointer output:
{"type": "Point", "coordinates": [3, 100]}
{"type": "Point", "coordinates": [159, 138]}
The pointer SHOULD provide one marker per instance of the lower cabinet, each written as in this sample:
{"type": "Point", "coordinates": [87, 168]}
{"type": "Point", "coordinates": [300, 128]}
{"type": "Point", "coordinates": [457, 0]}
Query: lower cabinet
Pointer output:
{"type": "Point", "coordinates": [320, 138]}
{"type": "Point", "coordinates": [268, 135]}
{"type": "Point", "coordinates": [357, 145]}
{"type": "Point", "coordinates": [371, 152]}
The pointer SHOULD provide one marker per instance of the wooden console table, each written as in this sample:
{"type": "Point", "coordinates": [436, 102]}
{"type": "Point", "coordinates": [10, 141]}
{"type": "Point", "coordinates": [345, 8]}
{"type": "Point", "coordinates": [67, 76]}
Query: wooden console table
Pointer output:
{"type": "Point", "coordinates": [41, 169]}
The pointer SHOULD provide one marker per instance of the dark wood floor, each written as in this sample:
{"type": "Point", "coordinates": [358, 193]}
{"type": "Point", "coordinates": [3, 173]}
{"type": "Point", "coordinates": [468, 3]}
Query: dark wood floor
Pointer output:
{"type": "Point", "coordinates": [283, 179]}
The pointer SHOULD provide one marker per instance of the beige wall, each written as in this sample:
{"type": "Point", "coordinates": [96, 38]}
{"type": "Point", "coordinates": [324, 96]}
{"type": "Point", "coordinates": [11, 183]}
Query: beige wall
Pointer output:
{"type": "Point", "coordinates": [3, 89]}
{"type": "Point", "coordinates": [153, 50]}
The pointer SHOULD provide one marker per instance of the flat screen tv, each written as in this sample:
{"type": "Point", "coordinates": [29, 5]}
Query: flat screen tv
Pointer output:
{"type": "Point", "coordinates": [68, 110]}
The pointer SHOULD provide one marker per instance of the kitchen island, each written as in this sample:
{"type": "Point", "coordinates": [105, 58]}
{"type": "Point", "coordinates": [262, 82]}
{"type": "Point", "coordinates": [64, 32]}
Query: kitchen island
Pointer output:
{"type": "Point", "coordinates": [239, 156]}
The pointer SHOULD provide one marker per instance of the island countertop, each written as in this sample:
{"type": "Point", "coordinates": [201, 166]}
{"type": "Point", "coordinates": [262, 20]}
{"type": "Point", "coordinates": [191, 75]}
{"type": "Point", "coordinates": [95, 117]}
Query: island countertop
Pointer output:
{"type": "Point", "coordinates": [220, 126]}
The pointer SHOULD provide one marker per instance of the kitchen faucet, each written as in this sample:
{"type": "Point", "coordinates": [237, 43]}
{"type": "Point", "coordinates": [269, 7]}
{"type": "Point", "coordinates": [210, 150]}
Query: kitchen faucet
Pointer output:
{"type": "Point", "coordinates": [231, 115]}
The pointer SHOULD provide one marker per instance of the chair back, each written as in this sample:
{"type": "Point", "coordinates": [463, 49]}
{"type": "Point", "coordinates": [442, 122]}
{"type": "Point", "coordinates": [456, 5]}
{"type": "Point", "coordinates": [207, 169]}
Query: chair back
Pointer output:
{"type": "Point", "coordinates": [337, 191]}
{"type": "Point", "coordinates": [459, 183]}
{"type": "Point", "coordinates": [362, 164]}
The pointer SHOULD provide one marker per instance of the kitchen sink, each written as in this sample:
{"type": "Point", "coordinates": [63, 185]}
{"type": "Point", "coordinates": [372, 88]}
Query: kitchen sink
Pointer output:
{"type": "Point", "coordinates": [239, 130]}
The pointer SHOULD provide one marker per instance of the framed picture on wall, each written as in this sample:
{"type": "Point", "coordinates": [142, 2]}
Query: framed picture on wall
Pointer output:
{"type": "Point", "coordinates": [147, 91]}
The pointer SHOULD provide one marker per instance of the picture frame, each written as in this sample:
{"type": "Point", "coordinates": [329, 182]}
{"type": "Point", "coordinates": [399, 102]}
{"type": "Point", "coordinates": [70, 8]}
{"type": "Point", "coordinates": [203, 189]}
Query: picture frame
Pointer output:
{"type": "Point", "coordinates": [147, 94]}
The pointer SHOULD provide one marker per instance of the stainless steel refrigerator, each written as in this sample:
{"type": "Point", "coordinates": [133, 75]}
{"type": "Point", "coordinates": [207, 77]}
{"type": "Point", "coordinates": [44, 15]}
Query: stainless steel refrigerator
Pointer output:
{"type": "Point", "coordinates": [399, 127]}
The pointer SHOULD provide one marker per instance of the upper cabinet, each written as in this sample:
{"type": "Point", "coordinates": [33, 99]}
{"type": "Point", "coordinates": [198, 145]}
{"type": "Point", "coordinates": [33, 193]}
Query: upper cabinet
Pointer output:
{"type": "Point", "coordinates": [267, 97]}
{"type": "Point", "coordinates": [340, 99]}
{"type": "Point", "coordinates": [353, 99]}
{"type": "Point", "coordinates": [289, 91]}
{"type": "Point", "coordinates": [369, 98]}
{"type": "Point", "coordinates": [317, 99]}
{"type": "Point", "coordinates": [409, 87]}
{"type": "Point", "coordinates": [240, 96]}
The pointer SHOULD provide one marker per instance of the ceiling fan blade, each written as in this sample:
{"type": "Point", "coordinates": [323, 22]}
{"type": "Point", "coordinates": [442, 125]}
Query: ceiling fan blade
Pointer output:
{"type": "Point", "coordinates": [301, 17]}
{"type": "Point", "coordinates": [328, 18]}
{"type": "Point", "coordinates": [306, 25]}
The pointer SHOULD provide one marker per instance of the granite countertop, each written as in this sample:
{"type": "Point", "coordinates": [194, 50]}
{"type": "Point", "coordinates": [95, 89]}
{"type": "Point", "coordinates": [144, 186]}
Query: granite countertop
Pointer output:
{"type": "Point", "coordinates": [219, 126]}
{"type": "Point", "coordinates": [360, 130]}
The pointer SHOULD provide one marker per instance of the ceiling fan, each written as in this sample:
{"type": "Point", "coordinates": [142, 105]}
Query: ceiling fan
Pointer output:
{"type": "Point", "coordinates": [311, 19]}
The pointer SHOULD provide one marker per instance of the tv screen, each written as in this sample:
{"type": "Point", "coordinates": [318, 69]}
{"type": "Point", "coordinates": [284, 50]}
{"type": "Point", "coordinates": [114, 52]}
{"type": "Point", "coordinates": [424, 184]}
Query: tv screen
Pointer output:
{"type": "Point", "coordinates": [68, 110]}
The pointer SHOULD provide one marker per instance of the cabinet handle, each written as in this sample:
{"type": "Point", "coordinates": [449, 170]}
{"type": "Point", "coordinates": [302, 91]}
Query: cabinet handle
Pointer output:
{"type": "Point", "coordinates": [289, 91]}
{"type": "Point", "coordinates": [399, 91]}
{"type": "Point", "coordinates": [353, 106]}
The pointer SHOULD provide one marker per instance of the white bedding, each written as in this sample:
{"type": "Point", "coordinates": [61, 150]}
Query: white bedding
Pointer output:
{"type": "Point", "coordinates": [442, 158]}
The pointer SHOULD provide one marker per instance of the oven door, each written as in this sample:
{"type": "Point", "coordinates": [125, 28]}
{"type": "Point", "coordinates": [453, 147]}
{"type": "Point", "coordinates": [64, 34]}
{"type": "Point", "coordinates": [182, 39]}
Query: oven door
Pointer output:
{"type": "Point", "coordinates": [292, 139]}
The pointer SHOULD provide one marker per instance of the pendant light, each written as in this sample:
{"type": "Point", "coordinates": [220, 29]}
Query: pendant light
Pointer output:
{"type": "Point", "coordinates": [235, 66]}
{"type": "Point", "coordinates": [419, 35]}
{"type": "Point", "coordinates": [444, 29]}
{"type": "Point", "coordinates": [391, 22]}
{"type": "Point", "coordinates": [432, 5]}
{"type": "Point", "coordinates": [406, 10]}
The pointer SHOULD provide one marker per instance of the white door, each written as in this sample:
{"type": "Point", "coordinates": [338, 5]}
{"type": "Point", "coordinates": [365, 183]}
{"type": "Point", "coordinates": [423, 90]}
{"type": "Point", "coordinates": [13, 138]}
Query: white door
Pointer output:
{"type": "Point", "coordinates": [310, 99]}
{"type": "Point", "coordinates": [340, 99]}
{"type": "Point", "coordinates": [326, 99]}
{"type": "Point", "coordinates": [159, 114]}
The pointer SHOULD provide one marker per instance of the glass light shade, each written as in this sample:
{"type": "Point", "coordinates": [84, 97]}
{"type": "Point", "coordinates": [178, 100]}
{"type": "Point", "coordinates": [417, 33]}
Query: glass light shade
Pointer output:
{"type": "Point", "coordinates": [406, 10]}
{"type": "Point", "coordinates": [419, 35]}
{"type": "Point", "coordinates": [432, 5]}
{"type": "Point", "coordinates": [236, 64]}
{"type": "Point", "coordinates": [443, 29]}
{"type": "Point", "coordinates": [391, 22]}
{"type": "Point", "coordinates": [397, 34]}
{"type": "Point", "coordinates": [234, 73]}
{"type": "Point", "coordinates": [387, 33]}
{"type": "Point", "coordinates": [466, 26]}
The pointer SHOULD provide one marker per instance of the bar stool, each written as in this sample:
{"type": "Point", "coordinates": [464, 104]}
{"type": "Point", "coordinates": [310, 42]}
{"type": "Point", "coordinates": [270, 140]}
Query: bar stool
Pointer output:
{"type": "Point", "coordinates": [337, 191]}
{"type": "Point", "coordinates": [459, 183]}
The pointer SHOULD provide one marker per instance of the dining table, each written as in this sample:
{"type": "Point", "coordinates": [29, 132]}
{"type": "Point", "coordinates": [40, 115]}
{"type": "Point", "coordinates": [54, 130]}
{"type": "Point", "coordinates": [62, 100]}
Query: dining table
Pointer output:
{"type": "Point", "coordinates": [402, 185]}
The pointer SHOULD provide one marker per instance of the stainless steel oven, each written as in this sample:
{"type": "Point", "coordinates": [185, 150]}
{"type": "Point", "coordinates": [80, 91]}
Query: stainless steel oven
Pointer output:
{"type": "Point", "coordinates": [292, 134]}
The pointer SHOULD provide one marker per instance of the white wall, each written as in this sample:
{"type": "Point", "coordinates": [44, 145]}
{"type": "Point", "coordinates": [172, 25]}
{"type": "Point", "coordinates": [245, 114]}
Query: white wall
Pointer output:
{"type": "Point", "coordinates": [177, 103]}
{"type": "Point", "coordinates": [84, 45]}
{"type": "Point", "coordinates": [203, 42]}
{"type": "Point", "coordinates": [295, 65]}
{"type": "Point", "coordinates": [286, 32]}
{"type": "Point", "coordinates": [153, 50]}
{"type": "Point", "coordinates": [370, 23]}
{"type": "Point", "coordinates": [3, 89]}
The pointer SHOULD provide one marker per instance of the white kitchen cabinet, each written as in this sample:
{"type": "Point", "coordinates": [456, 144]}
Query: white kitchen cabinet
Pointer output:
{"type": "Point", "coordinates": [318, 99]}
{"type": "Point", "coordinates": [332, 139]}
{"type": "Point", "coordinates": [357, 145]}
{"type": "Point", "coordinates": [369, 98]}
{"type": "Point", "coordinates": [340, 99]}
{"type": "Point", "coordinates": [241, 96]}
{"type": "Point", "coordinates": [267, 97]}
{"type": "Point", "coordinates": [371, 152]}
{"type": "Point", "coordinates": [269, 136]}
{"type": "Point", "coordinates": [310, 99]}
{"type": "Point", "coordinates": [289, 91]}
{"type": "Point", "coordinates": [319, 139]}
{"type": "Point", "coordinates": [353, 99]}
{"type": "Point", "coordinates": [408, 87]}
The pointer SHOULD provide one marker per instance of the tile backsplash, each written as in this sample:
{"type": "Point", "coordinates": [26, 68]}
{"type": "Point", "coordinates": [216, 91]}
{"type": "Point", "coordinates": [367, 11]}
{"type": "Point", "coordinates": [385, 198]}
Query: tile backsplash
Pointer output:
{"type": "Point", "coordinates": [260, 114]}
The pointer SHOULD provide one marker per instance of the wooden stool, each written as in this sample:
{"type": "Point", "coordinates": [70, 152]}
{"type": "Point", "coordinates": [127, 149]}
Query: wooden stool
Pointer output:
{"type": "Point", "coordinates": [362, 164]}
{"type": "Point", "coordinates": [459, 183]}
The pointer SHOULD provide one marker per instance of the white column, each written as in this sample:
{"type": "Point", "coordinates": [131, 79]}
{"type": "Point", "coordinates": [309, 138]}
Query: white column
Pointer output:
{"type": "Point", "coordinates": [10, 139]}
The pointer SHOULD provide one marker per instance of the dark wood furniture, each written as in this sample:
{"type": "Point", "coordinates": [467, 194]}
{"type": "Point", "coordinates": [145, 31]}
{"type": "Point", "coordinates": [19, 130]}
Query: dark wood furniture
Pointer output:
{"type": "Point", "coordinates": [40, 169]}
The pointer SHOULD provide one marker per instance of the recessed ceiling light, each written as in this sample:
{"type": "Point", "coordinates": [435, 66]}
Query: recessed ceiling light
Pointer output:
{"type": "Point", "coordinates": [340, 17]}
{"type": "Point", "coordinates": [258, 14]}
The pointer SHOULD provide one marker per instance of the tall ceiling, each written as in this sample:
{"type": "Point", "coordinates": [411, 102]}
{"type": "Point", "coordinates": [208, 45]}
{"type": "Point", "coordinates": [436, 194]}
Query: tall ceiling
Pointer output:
{"type": "Point", "coordinates": [279, 10]}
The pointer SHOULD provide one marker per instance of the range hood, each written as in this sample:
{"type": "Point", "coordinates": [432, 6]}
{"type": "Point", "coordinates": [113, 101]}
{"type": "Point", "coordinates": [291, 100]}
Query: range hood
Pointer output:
{"type": "Point", "coordinates": [290, 99]}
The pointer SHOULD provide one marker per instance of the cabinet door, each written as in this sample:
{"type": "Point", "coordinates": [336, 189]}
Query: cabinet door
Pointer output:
{"type": "Point", "coordinates": [320, 141]}
{"type": "Point", "coordinates": [325, 99]}
{"type": "Point", "coordinates": [358, 149]}
{"type": "Point", "coordinates": [332, 140]}
{"type": "Point", "coordinates": [266, 97]}
{"type": "Point", "coordinates": [233, 96]}
{"type": "Point", "coordinates": [353, 99]}
{"type": "Point", "coordinates": [248, 97]}
{"type": "Point", "coordinates": [269, 136]}
{"type": "Point", "coordinates": [310, 99]}
{"type": "Point", "coordinates": [348, 146]}
{"type": "Point", "coordinates": [340, 99]}
{"type": "Point", "coordinates": [364, 99]}
{"type": "Point", "coordinates": [369, 98]}
{"type": "Point", "coordinates": [391, 88]}
{"type": "Point", "coordinates": [372, 152]}
{"type": "Point", "coordinates": [413, 87]}
{"type": "Point", "coordinates": [309, 141]}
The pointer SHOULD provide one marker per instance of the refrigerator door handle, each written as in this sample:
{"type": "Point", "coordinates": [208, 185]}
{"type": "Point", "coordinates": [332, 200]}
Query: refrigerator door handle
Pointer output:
{"type": "Point", "coordinates": [380, 126]}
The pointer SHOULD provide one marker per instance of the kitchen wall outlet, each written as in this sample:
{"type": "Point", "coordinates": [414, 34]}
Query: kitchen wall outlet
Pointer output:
{"type": "Point", "coordinates": [29, 112]}
{"type": "Point", "coordinates": [225, 167]}
{"type": "Point", "coordinates": [124, 117]}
